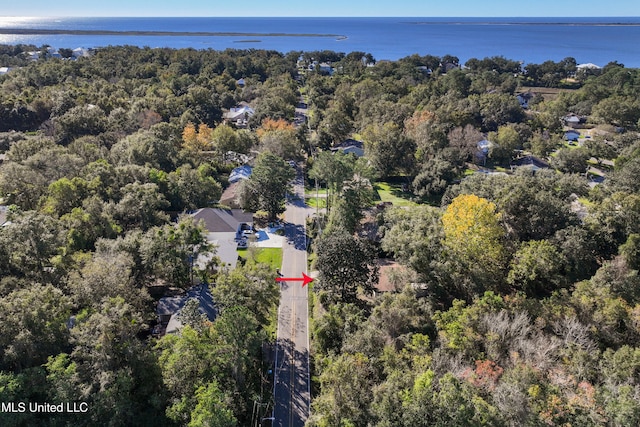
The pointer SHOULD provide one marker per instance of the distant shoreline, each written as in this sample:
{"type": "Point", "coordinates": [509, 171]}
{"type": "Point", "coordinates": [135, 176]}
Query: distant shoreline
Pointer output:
{"type": "Point", "coordinates": [559, 24]}
{"type": "Point", "coordinates": [52, 32]}
{"type": "Point", "coordinates": [597, 40]}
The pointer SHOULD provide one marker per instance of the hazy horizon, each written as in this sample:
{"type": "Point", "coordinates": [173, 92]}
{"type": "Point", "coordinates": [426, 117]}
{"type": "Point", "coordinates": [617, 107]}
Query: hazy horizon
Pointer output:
{"type": "Point", "coordinates": [326, 8]}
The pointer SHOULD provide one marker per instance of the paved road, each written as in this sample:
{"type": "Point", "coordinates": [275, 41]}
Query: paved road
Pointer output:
{"type": "Point", "coordinates": [292, 396]}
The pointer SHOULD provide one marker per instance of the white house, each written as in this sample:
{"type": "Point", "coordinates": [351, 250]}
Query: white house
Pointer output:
{"type": "Point", "coordinates": [588, 66]}
{"type": "Point", "coordinates": [424, 70]}
{"type": "Point", "coordinates": [239, 115]}
{"type": "Point", "coordinates": [80, 52]}
{"type": "Point", "coordinates": [53, 53]}
{"type": "Point", "coordinates": [322, 67]}
{"type": "Point", "coordinates": [350, 146]}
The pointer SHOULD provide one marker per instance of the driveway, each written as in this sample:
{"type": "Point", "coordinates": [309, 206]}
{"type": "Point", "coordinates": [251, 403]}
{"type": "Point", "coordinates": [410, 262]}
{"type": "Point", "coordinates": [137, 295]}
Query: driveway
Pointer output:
{"type": "Point", "coordinates": [267, 238]}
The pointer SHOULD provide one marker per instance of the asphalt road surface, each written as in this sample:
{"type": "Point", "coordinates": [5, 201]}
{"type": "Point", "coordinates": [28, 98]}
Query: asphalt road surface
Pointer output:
{"type": "Point", "coordinates": [291, 392]}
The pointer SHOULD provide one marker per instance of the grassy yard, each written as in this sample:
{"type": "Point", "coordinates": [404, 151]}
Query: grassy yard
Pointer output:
{"type": "Point", "coordinates": [271, 256]}
{"type": "Point", "coordinates": [311, 191]}
{"type": "Point", "coordinates": [393, 193]}
{"type": "Point", "coordinates": [313, 201]}
{"type": "Point", "coordinates": [316, 203]}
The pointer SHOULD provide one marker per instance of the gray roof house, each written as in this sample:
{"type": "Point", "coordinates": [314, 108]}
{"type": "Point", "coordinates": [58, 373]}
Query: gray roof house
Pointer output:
{"type": "Point", "coordinates": [222, 220]}
{"type": "Point", "coordinates": [572, 120]}
{"type": "Point", "coordinates": [224, 230]}
{"type": "Point", "coordinates": [532, 162]}
{"type": "Point", "coordinates": [168, 309]}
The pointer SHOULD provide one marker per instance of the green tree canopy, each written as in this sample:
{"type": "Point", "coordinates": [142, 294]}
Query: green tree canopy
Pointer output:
{"type": "Point", "coordinates": [346, 265]}
{"type": "Point", "coordinates": [388, 150]}
{"type": "Point", "coordinates": [268, 185]}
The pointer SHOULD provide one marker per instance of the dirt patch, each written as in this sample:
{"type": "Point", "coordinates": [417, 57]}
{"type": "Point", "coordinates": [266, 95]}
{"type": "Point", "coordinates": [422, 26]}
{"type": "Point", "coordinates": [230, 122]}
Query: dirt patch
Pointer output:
{"type": "Point", "coordinates": [391, 275]}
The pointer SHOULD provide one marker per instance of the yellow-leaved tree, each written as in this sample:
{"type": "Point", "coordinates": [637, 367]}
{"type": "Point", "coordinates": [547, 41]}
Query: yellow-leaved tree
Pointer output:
{"type": "Point", "coordinates": [474, 239]}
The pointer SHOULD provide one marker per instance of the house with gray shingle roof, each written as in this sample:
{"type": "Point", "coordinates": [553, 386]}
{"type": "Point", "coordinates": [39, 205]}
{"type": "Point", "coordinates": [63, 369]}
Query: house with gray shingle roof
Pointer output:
{"type": "Point", "coordinates": [224, 230]}
{"type": "Point", "coordinates": [169, 308]}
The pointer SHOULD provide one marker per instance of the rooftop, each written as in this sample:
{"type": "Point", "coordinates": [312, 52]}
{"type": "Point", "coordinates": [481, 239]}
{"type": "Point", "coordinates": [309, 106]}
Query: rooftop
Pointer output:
{"type": "Point", "coordinates": [171, 306]}
{"type": "Point", "coordinates": [222, 220]}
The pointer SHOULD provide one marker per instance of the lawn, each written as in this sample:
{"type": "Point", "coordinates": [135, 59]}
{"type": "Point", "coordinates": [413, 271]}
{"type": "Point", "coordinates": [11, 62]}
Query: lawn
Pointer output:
{"type": "Point", "coordinates": [393, 193]}
{"type": "Point", "coordinates": [313, 201]}
{"type": "Point", "coordinates": [571, 144]}
{"type": "Point", "coordinates": [271, 256]}
{"type": "Point", "coordinates": [316, 203]}
{"type": "Point", "coordinates": [311, 191]}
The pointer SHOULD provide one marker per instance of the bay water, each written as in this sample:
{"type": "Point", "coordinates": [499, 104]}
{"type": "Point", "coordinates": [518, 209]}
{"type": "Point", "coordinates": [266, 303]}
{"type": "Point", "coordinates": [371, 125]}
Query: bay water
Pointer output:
{"type": "Point", "coordinates": [530, 40]}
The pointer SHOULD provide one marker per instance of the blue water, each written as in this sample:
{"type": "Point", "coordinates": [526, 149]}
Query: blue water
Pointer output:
{"type": "Point", "coordinates": [524, 39]}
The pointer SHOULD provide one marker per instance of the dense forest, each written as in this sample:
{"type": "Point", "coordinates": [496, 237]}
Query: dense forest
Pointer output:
{"type": "Point", "coordinates": [515, 295]}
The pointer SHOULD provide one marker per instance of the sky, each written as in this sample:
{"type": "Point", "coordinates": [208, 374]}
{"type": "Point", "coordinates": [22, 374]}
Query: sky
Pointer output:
{"type": "Point", "coordinates": [417, 8]}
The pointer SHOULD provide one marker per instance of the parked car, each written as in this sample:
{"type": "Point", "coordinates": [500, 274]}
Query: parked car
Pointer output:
{"type": "Point", "coordinates": [246, 229]}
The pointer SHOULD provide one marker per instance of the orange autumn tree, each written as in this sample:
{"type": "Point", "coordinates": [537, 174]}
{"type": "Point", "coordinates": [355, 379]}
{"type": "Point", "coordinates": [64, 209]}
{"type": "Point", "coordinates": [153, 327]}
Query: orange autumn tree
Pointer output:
{"type": "Point", "coordinates": [270, 125]}
{"type": "Point", "coordinates": [419, 118]}
{"type": "Point", "coordinates": [279, 137]}
{"type": "Point", "coordinates": [204, 135]}
{"type": "Point", "coordinates": [189, 134]}
{"type": "Point", "coordinates": [196, 140]}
